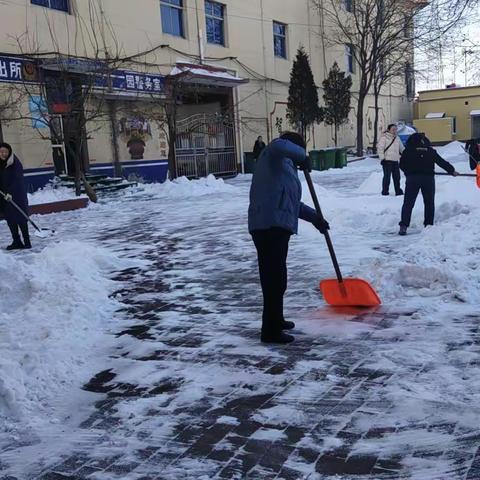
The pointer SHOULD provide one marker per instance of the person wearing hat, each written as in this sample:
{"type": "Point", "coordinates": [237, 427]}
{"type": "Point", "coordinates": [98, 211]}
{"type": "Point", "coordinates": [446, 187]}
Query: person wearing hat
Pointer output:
{"type": "Point", "coordinates": [418, 163]}
{"type": "Point", "coordinates": [274, 210]}
{"type": "Point", "coordinates": [12, 185]}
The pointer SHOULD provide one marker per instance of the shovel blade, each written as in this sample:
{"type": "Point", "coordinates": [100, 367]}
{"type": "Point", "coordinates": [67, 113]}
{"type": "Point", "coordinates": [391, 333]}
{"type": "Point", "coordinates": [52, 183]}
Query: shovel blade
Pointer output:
{"type": "Point", "coordinates": [352, 292]}
{"type": "Point", "coordinates": [44, 233]}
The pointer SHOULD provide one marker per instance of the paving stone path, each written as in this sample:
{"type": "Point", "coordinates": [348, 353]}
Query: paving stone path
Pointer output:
{"type": "Point", "coordinates": [190, 393]}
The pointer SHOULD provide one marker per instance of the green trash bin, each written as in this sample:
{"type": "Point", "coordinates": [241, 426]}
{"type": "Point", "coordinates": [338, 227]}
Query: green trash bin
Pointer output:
{"type": "Point", "coordinates": [329, 155]}
{"type": "Point", "coordinates": [340, 157]}
{"type": "Point", "coordinates": [317, 160]}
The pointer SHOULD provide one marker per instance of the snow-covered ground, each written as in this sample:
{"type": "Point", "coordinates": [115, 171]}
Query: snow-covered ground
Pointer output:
{"type": "Point", "coordinates": [50, 194]}
{"type": "Point", "coordinates": [180, 254]}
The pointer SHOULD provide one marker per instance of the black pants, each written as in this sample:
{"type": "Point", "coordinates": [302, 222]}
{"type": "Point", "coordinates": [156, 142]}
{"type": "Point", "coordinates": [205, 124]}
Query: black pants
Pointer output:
{"type": "Point", "coordinates": [391, 169]}
{"type": "Point", "coordinates": [14, 230]}
{"type": "Point", "coordinates": [272, 249]}
{"type": "Point", "coordinates": [415, 184]}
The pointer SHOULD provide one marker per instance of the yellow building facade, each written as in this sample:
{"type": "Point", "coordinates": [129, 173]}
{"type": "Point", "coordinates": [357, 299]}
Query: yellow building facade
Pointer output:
{"type": "Point", "coordinates": [237, 53]}
{"type": "Point", "coordinates": [449, 114]}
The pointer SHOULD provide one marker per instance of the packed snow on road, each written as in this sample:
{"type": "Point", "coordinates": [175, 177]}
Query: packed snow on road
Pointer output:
{"type": "Point", "coordinates": [64, 303]}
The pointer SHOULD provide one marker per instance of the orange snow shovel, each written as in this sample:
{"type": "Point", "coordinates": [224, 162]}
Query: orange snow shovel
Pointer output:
{"type": "Point", "coordinates": [342, 292]}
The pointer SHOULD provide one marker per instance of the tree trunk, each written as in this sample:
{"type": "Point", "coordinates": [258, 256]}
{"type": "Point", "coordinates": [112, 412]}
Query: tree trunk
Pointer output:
{"type": "Point", "coordinates": [112, 113]}
{"type": "Point", "coordinates": [172, 140]}
{"type": "Point", "coordinates": [361, 104]}
{"type": "Point", "coordinates": [336, 135]}
{"type": "Point", "coordinates": [376, 121]}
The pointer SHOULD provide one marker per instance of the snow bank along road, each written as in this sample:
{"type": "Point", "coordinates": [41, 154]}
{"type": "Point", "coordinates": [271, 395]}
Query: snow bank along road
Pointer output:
{"type": "Point", "coordinates": [129, 343]}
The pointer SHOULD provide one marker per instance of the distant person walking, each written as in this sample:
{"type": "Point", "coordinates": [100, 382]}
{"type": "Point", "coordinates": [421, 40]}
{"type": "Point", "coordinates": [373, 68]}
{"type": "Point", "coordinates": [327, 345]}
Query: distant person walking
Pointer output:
{"type": "Point", "coordinates": [258, 148]}
{"type": "Point", "coordinates": [418, 163]}
{"type": "Point", "coordinates": [275, 207]}
{"type": "Point", "coordinates": [390, 147]}
{"type": "Point", "coordinates": [12, 184]}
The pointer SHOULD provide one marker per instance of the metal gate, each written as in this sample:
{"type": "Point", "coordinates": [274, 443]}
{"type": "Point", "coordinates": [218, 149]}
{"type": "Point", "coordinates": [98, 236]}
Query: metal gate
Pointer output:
{"type": "Point", "coordinates": [205, 145]}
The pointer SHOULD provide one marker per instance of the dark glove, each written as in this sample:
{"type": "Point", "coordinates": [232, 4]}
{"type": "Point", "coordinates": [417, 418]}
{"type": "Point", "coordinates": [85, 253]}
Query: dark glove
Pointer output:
{"type": "Point", "coordinates": [306, 165]}
{"type": "Point", "coordinates": [382, 163]}
{"type": "Point", "coordinates": [321, 225]}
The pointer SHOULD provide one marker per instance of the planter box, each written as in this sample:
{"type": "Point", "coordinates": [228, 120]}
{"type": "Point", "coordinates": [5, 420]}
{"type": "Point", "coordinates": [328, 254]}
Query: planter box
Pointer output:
{"type": "Point", "coordinates": [60, 206]}
{"type": "Point", "coordinates": [55, 207]}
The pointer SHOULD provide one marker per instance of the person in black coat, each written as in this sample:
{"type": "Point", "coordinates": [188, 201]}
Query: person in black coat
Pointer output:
{"type": "Point", "coordinates": [418, 163]}
{"type": "Point", "coordinates": [12, 184]}
{"type": "Point", "coordinates": [258, 148]}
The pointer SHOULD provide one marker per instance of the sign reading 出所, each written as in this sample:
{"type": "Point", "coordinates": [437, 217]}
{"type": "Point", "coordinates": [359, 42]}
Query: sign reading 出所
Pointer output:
{"type": "Point", "coordinates": [13, 69]}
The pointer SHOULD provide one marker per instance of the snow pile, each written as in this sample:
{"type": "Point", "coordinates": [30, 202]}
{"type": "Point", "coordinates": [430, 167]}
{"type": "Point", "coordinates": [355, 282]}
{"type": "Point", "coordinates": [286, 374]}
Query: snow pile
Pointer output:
{"type": "Point", "coordinates": [54, 307]}
{"type": "Point", "coordinates": [50, 194]}
{"type": "Point", "coordinates": [432, 262]}
{"type": "Point", "coordinates": [182, 187]}
{"type": "Point", "coordinates": [372, 185]}
{"type": "Point", "coordinates": [453, 152]}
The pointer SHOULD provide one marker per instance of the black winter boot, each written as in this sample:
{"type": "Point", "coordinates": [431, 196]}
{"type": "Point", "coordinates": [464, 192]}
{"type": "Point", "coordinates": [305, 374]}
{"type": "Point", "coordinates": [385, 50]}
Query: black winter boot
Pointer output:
{"type": "Point", "coordinates": [17, 242]}
{"type": "Point", "coordinates": [280, 338]}
{"type": "Point", "coordinates": [286, 325]}
{"type": "Point", "coordinates": [403, 230]}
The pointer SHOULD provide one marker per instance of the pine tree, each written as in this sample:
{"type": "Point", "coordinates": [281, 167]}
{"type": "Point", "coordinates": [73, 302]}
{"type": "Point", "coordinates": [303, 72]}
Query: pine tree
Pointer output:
{"type": "Point", "coordinates": [303, 109]}
{"type": "Point", "coordinates": [337, 98]}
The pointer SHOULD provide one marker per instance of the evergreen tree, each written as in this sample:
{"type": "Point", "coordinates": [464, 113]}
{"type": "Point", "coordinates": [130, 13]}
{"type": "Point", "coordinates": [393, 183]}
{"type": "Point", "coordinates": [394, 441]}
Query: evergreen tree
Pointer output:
{"type": "Point", "coordinates": [337, 98]}
{"type": "Point", "coordinates": [303, 109]}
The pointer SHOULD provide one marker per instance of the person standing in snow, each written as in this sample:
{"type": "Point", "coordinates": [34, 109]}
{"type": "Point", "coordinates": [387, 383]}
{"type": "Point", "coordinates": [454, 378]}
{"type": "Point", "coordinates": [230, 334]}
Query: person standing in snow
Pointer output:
{"type": "Point", "coordinates": [275, 207]}
{"type": "Point", "coordinates": [12, 184]}
{"type": "Point", "coordinates": [258, 148]}
{"type": "Point", "coordinates": [390, 147]}
{"type": "Point", "coordinates": [418, 163]}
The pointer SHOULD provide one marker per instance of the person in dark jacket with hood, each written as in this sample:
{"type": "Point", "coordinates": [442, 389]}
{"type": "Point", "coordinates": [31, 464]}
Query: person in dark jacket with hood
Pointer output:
{"type": "Point", "coordinates": [275, 207]}
{"type": "Point", "coordinates": [258, 148]}
{"type": "Point", "coordinates": [12, 184]}
{"type": "Point", "coordinates": [418, 163]}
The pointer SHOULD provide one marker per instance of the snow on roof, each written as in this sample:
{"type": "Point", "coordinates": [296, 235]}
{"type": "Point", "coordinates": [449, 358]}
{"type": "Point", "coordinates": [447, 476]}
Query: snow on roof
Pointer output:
{"type": "Point", "coordinates": [474, 113]}
{"type": "Point", "coordinates": [207, 74]}
{"type": "Point", "coordinates": [435, 115]}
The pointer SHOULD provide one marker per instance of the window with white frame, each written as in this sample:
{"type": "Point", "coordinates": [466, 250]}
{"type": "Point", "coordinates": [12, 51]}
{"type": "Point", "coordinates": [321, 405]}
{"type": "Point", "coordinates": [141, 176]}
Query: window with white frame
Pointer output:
{"type": "Point", "coordinates": [350, 58]}
{"type": "Point", "coordinates": [172, 17]}
{"type": "Point", "coordinates": [62, 5]}
{"type": "Point", "coordinates": [215, 19]}
{"type": "Point", "coordinates": [409, 80]}
{"type": "Point", "coordinates": [280, 39]}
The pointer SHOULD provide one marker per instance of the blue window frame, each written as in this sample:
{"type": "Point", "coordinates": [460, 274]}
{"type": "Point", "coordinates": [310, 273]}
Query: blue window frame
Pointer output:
{"type": "Point", "coordinates": [280, 39]}
{"type": "Point", "coordinates": [172, 17]}
{"type": "Point", "coordinates": [62, 5]}
{"type": "Point", "coordinates": [215, 18]}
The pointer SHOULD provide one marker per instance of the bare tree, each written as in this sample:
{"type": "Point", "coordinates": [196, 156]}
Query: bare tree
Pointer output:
{"type": "Point", "coordinates": [9, 99]}
{"type": "Point", "coordinates": [373, 29]}
{"type": "Point", "coordinates": [395, 70]}
{"type": "Point", "coordinates": [75, 87]}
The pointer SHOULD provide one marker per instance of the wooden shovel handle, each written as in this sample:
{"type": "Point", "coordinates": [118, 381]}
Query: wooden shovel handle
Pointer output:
{"type": "Point", "coordinates": [331, 250]}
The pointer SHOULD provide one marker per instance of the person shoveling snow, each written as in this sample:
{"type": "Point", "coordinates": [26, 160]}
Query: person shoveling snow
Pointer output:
{"type": "Point", "coordinates": [275, 207]}
{"type": "Point", "coordinates": [15, 197]}
{"type": "Point", "coordinates": [418, 163]}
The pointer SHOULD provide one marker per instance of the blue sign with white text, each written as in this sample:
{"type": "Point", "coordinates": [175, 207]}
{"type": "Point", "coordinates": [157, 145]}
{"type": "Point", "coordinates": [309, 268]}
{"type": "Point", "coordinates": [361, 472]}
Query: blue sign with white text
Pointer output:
{"type": "Point", "coordinates": [13, 69]}
{"type": "Point", "coordinates": [133, 81]}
